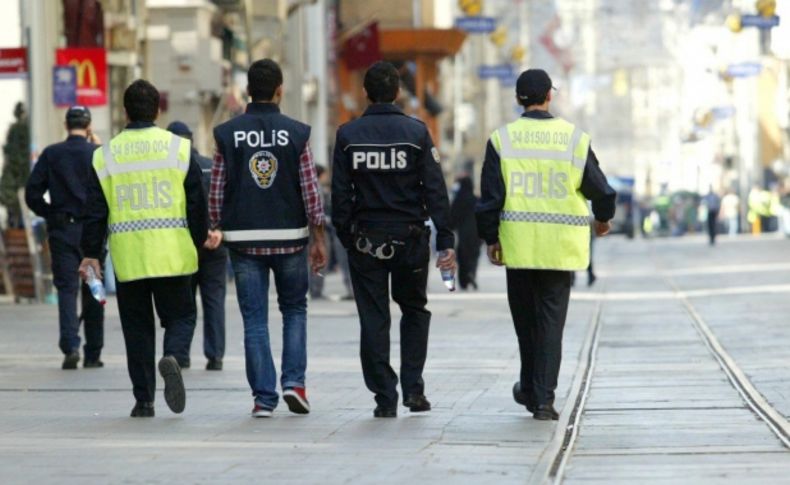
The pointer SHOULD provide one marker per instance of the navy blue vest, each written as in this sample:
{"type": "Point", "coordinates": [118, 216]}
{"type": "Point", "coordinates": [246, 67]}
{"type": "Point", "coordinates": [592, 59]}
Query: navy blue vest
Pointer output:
{"type": "Point", "coordinates": [263, 204]}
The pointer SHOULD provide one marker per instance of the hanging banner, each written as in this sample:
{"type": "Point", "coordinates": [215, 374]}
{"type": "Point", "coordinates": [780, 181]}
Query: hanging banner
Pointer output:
{"type": "Point", "coordinates": [91, 68]}
{"type": "Point", "coordinates": [13, 63]}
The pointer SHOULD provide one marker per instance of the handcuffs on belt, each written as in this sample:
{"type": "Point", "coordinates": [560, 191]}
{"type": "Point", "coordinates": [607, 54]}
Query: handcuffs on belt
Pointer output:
{"type": "Point", "coordinates": [384, 251]}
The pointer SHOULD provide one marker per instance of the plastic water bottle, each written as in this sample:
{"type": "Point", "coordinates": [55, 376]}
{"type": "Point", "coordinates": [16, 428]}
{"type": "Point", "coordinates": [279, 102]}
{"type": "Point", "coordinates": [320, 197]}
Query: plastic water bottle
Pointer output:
{"type": "Point", "coordinates": [448, 275]}
{"type": "Point", "coordinates": [96, 286]}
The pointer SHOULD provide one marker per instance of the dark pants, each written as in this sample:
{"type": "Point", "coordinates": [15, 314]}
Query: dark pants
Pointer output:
{"type": "Point", "coordinates": [370, 278]}
{"type": "Point", "coordinates": [539, 304]}
{"type": "Point", "coordinates": [175, 305]}
{"type": "Point", "coordinates": [66, 259]}
{"type": "Point", "coordinates": [212, 280]}
{"type": "Point", "coordinates": [712, 216]}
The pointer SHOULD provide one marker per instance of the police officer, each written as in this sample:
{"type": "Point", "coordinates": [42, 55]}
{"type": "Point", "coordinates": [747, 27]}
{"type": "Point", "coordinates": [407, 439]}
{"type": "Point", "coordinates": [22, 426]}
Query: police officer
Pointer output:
{"type": "Point", "coordinates": [386, 182]}
{"type": "Point", "coordinates": [210, 276]}
{"type": "Point", "coordinates": [266, 205]}
{"type": "Point", "coordinates": [537, 175]}
{"type": "Point", "coordinates": [146, 191]}
{"type": "Point", "coordinates": [64, 169]}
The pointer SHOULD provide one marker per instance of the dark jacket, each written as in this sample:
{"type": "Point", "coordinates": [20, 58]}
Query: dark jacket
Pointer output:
{"type": "Point", "coordinates": [94, 233]}
{"type": "Point", "coordinates": [386, 169]}
{"type": "Point", "coordinates": [492, 186]}
{"type": "Point", "coordinates": [64, 169]}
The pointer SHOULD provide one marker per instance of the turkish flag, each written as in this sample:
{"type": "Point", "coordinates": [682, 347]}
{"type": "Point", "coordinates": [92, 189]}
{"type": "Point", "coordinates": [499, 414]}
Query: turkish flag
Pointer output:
{"type": "Point", "coordinates": [362, 49]}
{"type": "Point", "coordinates": [91, 67]}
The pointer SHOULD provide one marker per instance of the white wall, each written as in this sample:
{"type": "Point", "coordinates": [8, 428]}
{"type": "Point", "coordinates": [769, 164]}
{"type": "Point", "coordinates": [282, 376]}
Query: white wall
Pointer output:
{"type": "Point", "coordinates": [11, 90]}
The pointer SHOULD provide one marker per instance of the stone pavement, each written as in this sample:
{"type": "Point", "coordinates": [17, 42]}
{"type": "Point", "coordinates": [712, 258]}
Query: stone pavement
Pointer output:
{"type": "Point", "coordinates": [660, 408]}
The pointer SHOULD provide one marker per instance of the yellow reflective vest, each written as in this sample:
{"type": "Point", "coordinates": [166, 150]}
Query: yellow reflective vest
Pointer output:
{"type": "Point", "coordinates": [142, 175]}
{"type": "Point", "coordinates": [544, 223]}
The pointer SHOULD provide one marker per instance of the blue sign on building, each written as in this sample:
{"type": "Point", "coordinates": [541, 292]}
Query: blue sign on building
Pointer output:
{"type": "Point", "coordinates": [64, 85]}
{"type": "Point", "coordinates": [476, 25]}
{"type": "Point", "coordinates": [759, 21]}
{"type": "Point", "coordinates": [496, 71]}
{"type": "Point", "coordinates": [744, 69]}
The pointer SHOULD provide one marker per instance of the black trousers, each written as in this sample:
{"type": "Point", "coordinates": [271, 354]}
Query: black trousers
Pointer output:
{"type": "Point", "coordinates": [712, 216]}
{"type": "Point", "coordinates": [370, 277]}
{"type": "Point", "coordinates": [175, 304]}
{"type": "Point", "coordinates": [66, 258]}
{"type": "Point", "coordinates": [539, 305]}
{"type": "Point", "coordinates": [212, 280]}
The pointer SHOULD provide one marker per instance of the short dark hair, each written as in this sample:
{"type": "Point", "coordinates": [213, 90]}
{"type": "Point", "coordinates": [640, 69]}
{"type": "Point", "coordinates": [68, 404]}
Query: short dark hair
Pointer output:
{"type": "Point", "coordinates": [78, 118]}
{"type": "Point", "coordinates": [382, 82]}
{"type": "Point", "coordinates": [263, 79]}
{"type": "Point", "coordinates": [141, 101]}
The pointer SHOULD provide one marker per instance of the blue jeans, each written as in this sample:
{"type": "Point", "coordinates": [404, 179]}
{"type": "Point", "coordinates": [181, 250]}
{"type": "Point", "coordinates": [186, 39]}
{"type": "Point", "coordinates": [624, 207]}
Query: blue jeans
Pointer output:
{"type": "Point", "coordinates": [252, 289]}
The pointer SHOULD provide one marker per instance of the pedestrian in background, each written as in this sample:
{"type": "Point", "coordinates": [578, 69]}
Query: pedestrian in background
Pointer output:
{"type": "Point", "coordinates": [211, 278]}
{"type": "Point", "coordinates": [146, 192]}
{"type": "Point", "coordinates": [265, 204]}
{"type": "Point", "coordinates": [386, 182]}
{"type": "Point", "coordinates": [713, 206]}
{"type": "Point", "coordinates": [462, 220]}
{"type": "Point", "coordinates": [538, 174]}
{"type": "Point", "coordinates": [64, 170]}
{"type": "Point", "coordinates": [730, 211]}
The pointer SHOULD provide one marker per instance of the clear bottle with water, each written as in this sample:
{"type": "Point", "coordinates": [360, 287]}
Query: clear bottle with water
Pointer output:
{"type": "Point", "coordinates": [448, 275]}
{"type": "Point", "coordinates": [96, 286]}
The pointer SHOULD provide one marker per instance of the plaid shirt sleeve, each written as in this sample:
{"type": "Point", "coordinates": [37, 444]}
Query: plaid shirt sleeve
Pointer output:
{"type": "Point", "coordinates": [308, 179]}
{"type": "Point", "coordinates": [216, 189]}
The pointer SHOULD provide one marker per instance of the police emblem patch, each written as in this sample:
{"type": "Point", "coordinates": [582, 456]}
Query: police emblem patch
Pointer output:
{"type": "Point", "coordinates": [263, 167]}
{"type": "Point", "coordinates": [435, 154]}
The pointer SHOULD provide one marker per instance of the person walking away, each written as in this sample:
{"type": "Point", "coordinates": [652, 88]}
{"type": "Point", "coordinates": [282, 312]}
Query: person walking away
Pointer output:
{"type": "Point", "coordinates": [266, 205]}
{"type": "Point", "coordinates": [146, 193]}
{"type": "Point", "coordinates": [730, 210]}
{"type": "Point", "coordinates": [462, 220]}
{"type": "Point", "coordinates": [63, 170]}
{"type": "Point", "coordinates": [539, 171]}
{"type": "Point", "coordinates": [211, 276]}
{"type": "Point", "coordinates": [713, 205]}
{"type": "Point", "coordinates": [386, 182]}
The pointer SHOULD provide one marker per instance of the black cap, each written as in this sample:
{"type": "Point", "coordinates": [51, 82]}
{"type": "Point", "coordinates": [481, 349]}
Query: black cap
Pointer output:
{"type": "Point", "coordinates": [179, 128]}
{"type": "Point", "coordinates": [533, 84]}
{"type": "Point", "coordinates": [78, 114]}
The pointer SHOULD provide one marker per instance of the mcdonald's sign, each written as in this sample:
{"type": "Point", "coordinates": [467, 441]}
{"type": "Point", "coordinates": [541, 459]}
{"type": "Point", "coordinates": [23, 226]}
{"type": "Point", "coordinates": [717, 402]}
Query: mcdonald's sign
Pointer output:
{"type": "Point", "coordinates": [90, 65]}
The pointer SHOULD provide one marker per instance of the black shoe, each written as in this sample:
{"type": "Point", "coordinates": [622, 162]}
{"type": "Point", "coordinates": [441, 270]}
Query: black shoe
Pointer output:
{"type": "Point", "coordinates": [521, 397]}
{"type": "Point", "coordinates": [175, 394]}
{"type": "Point", "coordinates": [591, 280]}
{"type": "Point", "coordinates": [214, 364]}
{"type": "Point", "coordinates": [546, 412]}
{"type": "Point", "coordinates": [92, 364]}
{"type": "Point", "coordinates": [417, 403]}
{"type": "Point", "coordinates": [382, 412]}
{"type": "Point", "coordinates": [184, 364]}
{"type": "Point", "coordinates": [143, 409]}
{"type": "Point", "coordinates": [71, 360]}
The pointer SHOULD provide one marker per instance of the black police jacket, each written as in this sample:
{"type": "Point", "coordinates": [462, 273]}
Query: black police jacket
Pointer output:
{"type": "Point", "coordinates": [64, 170]}
{"type": "Point", "coordinates": [386, 169]}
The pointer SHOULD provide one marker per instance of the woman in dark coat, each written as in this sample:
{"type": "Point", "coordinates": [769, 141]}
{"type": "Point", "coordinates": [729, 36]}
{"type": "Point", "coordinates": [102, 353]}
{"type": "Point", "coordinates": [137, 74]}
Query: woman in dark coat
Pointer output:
{"type": "Point", "coordinates": [462, 220]}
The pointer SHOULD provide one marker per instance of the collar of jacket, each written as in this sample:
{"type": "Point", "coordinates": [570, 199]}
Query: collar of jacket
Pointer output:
{"type": "Point", "coordinates": [76, 138]}
{"type": "Point", "coordinates": [140, 125]}
{"type": "Point", "coordinates": [382, 109]}
{"type": "Point", "coordinates": [262, 108]}
{"type": "Point", "coordinates": [537, 114]}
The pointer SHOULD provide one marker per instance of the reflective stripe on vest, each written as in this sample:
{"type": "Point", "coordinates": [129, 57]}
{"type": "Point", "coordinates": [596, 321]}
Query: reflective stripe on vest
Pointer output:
{"type": "Point", "coordinates": [142, 175]}
{"type": "Point", "coordinates": [266, 235]}
{"type": "Point", "coordinates": [544, 223]}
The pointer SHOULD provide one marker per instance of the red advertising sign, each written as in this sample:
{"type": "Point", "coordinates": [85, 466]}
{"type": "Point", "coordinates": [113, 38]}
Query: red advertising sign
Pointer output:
{"type": "Point", "coordinates": [91, 67]}
{"type": "Point", "coordinates": [13, 63]}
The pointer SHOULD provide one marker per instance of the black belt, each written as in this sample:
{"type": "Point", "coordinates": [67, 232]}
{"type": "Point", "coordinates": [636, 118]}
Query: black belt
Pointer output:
{"type": "Point", "coordinates": [382, 240]}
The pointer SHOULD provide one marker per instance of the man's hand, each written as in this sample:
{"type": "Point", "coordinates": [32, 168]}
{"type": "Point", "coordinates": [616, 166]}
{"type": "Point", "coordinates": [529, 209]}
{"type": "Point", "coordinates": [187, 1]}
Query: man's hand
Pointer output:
{"type": "Point", "coordinates": [446, 262]}
{"type": "Point", "coordinates": [94, 138]}
{"type": "Point", "coordinates": [213, 240]}
{"type": "Point", "coordinates": [495, 254]}
{"type": "Point", "coordinates": [317, 255]}
{"type": "Point", "coordinates": [90, 263]}
{"type": "Point", "coordinates": [602, 228]}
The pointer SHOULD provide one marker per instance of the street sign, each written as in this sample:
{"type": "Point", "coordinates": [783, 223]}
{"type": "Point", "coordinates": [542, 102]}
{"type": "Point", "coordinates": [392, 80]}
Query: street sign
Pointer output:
{"type": "Point", "coordinates": [496, 71]}
{"type": "Point", "coordinates": [759, 21]}
{"type": "Point", "coordinates": [744, 69]}
{"type": "Point", "coordinates": [476, 25]}
{"type": "Point", "coordinates": [13, 63]}
{"type": "Point", "coordinates": [64, 85]}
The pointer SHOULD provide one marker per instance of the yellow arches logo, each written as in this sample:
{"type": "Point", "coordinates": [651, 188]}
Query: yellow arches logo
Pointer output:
{"type": "Point", "coordinates": [85, 68]}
